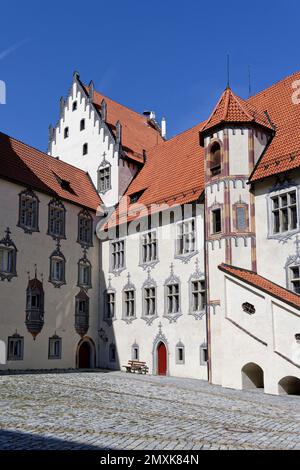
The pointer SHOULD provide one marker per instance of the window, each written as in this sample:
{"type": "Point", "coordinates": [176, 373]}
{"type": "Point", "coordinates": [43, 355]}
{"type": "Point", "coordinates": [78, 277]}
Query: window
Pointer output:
{"type": "Point", "coordinates": [149, 247]}
{"type": "Point", "coordinates": [28, 211]}
{"type": "Point", "coordinates": [284, 212]}
{"type": "Point", "coordinates": [54, 351]}
{"type": "Point", "coordinates": [172, 298]}
{"type": "Point", "coordinates": [129, 300]}
{"type": "Point", "coordinates": [34, 306]}
{"type": "Point", "coordinates": [15, 346]}
{"type": "Point", "coordinates": [56, 223]}
{"type": "Point", "coordinates": [66, 132]}
{"type": "Point", "coordinates": [84, 274]}
{"type": "Point", "coordinates": [295, 279]}
{"type": "Point", "coordinates": [215, 159]}
{"type": "Point", "coordinates": [117, 255]}
{"type": "Point", "coordinates": [241, 217]}
{"type": "Point", "coordinates": [85, 228]}
{"type": "Point", "coordinates": [179, 353]}
{"type": "Point", "coordinates": [135, 352]}
{"type": "Point", "coordinates": [104, 179]}
{"type": "Point", "coordinates": [112, 353]}
{"type": "Point", "coordinates": [57, 269]}
{"type": "Point", "coordinates": [203, 354]}
{"type": "Point", "coordinates": [110, 304]}
{"type": "Point", "coordinates": [74, 106]}
{"type": "Point", "coordinates": [8, 257]}
{"type": "Point", "coordinates": [185, 237]}
{"type": "Point", "coordinates": [150, 301]}
{"type": "Point", "coordinates": [82, 124]}
{"type": "Point", "coordinates": [198, 295]}
{"type": "Point", "coordinates": [216, 221]}
{"type": "Point", "coordinates": [81, 313]}
{"type": "Point", "coordinates": [85, 149]}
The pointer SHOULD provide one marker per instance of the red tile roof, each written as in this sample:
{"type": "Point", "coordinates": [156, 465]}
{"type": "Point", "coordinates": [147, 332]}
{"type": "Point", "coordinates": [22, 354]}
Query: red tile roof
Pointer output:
{"type": "Point", "coordinates": [232, 109]}
{"type": "Point", "coordinates": [173, 175]}
{"type": "Point", "coordinates": [30, 167]}
{"type": "Point", "coordinates": [283, 153]}
{"type": "Point", "coordinates": [137, 133]}
{"type": "Point", "coordinates": [263, 284]}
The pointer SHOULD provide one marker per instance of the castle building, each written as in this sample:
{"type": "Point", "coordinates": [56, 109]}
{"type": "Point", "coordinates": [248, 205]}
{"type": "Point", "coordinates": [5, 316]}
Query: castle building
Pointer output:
{"type": "Point", "coordinates": [183, 253]}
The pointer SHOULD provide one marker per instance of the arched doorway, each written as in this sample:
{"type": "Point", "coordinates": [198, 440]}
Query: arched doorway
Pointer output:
{"type": "Point", "coordinates": [289, 385]}
{"type": "Point", "coordinates": [85, 354]}
{"type": "Point", "coordinates": [161, 352]}
{"type": "Point", "coordinates": [252, 376]}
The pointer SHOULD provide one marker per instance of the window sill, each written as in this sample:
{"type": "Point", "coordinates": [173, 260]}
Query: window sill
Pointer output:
{"type": "Point", "coordinates": [28, 230]}
{"type": "Point", "coordinates": [117, 272]}
{"type": "Point", "coordinates": [198, 315]}
{"type": "Point", "coordinates": [129, 320]}
{"type": "Point", "coordinates": [185, 258]}
{"type": "Point", "coordinates": [172, 317]}
{"type": "Point", "coordinates": [148, 264]}
{"type": "Point", "coordinates": [149, 319]}
{"type": "Point", "coordinates": [7, 276]}
{"type": "Point", "coordinates": [57, 284]}
{"type": "Point", "coordinates": [283, 235]}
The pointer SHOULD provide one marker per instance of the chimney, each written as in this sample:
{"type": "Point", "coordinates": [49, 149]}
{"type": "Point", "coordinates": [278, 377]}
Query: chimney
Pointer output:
{"type": "Point", "coordinates": [163, 128]}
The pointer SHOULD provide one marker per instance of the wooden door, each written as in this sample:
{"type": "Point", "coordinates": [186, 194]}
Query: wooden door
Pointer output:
{"type": "Point", "coordinates": [84, 356]}
{"type": "Point", "coordinates": [161, 359]}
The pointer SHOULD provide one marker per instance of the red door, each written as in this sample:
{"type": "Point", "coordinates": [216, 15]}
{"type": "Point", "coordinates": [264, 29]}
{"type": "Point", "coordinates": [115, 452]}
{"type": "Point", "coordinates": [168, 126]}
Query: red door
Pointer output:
{"type": "Point", "coordinates": [161, 359]}
{"type": "Point", "coordinates": [84, 356]}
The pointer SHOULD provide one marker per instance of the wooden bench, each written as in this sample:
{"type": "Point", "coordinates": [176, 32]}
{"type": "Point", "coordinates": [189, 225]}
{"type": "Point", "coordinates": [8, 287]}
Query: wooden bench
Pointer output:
{"type": "Point", "coordinates": [137, 366]}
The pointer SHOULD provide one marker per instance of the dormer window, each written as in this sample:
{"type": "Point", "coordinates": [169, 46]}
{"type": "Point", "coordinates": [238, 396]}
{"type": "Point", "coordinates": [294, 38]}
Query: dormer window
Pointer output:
{"type": "Point", "coordinates": [215, 159]}
{"type": "Point", "coordinates": [74, 106]}
{"type": "Point", "coordinates": [66, 132]}
{"type": "Point", "coordinates": [82, 124]}
{"type": "Point", "coordinates": [85, 149]}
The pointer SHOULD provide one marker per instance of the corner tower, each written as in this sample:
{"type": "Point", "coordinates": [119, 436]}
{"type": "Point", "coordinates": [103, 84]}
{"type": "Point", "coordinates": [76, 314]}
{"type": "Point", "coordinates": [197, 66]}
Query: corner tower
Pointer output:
{"type": "Point", "coordinates": [234, 137]}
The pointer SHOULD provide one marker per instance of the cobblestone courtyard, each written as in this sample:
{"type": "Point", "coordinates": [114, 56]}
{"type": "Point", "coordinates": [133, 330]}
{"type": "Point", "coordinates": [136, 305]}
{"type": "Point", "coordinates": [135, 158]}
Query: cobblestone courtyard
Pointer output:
{"type": "Point", "coordinates": [116, 410]}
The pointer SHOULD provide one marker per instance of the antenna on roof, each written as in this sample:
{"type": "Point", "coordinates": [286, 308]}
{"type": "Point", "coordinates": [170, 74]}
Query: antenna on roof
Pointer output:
{"type": "Point", "coordinates": [249, 81]}
{"type": "Point", "coordinates": [228, 71]}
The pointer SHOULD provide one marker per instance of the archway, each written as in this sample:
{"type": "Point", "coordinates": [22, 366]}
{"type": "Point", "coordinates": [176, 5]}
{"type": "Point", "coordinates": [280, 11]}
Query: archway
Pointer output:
{"type": "Point", "coordinates": [289, 385]}
{"type": "Point", "coordinates": [252, 376]}
{"type": "Point", "coordinates": [161, 352]}
{"type": "Point", "coordinates": [85, 355]}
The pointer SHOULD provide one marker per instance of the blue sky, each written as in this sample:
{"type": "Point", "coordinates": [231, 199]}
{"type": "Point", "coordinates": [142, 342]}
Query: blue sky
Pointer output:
{"type": "Point", "coordinates": [168, 56]}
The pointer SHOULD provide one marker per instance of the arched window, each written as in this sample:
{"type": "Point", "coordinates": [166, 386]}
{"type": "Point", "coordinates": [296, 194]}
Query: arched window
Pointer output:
{"type": "Point", "coordinates": [82, 313]}
{"type": "Point", "coordinates": [84, 273]}
{"type": "Point", "coordinates": [56, 219]}
{"type": "Point", "coordinates": [135, 352]}
{"type": "Point", "coordinates": [8, 257]}
{"type": "Point", "coordinates": [215, 159]}
{"type": "Point", "coordinates": [28, 211]}
{"type": "Point", "coordinates": [74, 106]}
{"type": "Point", "coordinates": [57, 268]}
{"type": "Point", "coordinates": [34, 306]}
{"type": "Point", "coordinates": [66, 132]}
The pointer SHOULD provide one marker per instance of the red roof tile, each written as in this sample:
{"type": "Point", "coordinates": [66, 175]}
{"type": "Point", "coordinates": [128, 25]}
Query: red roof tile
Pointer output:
{"type": "Point", "coordinates": [283, 153]}
{"type": "Point", "coordinates": [173, 174]}
{"type": "Point", "coordinates": [137, 133]}
{"type": "Point", "coordinates": [232, 109]}
{"type": "Point", "coordinates": [263, 284]}
{"type": "Point", "coordinates": [30, 167]}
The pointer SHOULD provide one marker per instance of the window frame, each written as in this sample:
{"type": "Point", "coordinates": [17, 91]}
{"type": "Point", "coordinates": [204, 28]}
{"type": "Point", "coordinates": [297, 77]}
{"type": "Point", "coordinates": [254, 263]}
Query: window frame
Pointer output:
{"type": "Point", "coordinates": [52, 339]}
{"type": "Point", "coordinates": [28, 193]}
{"type": "Point", "coordinates": [103, 188]}
{"type": "Point", "coordinates": [285, 190]}
{"type": "Point", "coordinates": [151, 262]}
{"type": "Point", "coordinates": [54, 257]}
{"type": "Point", "coordinates": [236, 206]}
{"type": "Point", "coordinates": [57, 204]}
{"type": "Point", "coordinates": [185, 256]}
{"type": "Point", "coordinates": [110, 291]}
{"type": "Point", "coordinates": [15, 338]}
{"type": "Point", "coordinates": [179, 347]}
{"type": "Point", "coordinates": [172, 281]}
{"type": "Point", "coordinates": [85, 214]}
{"type": "Point", "coordinates": [86, 263]}
{"type": "Point", "coordinates": [113, 268]}
{"type": "Point", "coordinates": [8, 246]}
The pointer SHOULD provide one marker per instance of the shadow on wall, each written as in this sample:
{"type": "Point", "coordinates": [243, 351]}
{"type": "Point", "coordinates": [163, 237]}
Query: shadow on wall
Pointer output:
{"type": "Point", "coordinates": [289, 386]}
{"type": "Point", "coordinates": [16, 440]}
{"type": "Point", "coordinates": [252, 376]}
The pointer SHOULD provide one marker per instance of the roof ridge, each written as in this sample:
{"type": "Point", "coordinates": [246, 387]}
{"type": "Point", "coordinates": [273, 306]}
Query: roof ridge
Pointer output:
{"type": "Point", "coordinates": [281, 80]}
{"type": "Point", "coordinates": [120, 104]}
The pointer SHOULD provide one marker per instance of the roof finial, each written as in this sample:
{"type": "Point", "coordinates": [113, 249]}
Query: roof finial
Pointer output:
{"type": "Point", "coordinates": [228, 71]}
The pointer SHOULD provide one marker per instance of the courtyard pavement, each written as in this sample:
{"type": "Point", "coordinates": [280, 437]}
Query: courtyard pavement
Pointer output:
{"type": "Point", "coordinates": [115, 410]}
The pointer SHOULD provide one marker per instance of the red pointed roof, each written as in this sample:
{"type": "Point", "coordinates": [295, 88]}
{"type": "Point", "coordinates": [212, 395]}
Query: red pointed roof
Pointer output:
{"type": "Point", "coordinates": [232, 109]}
